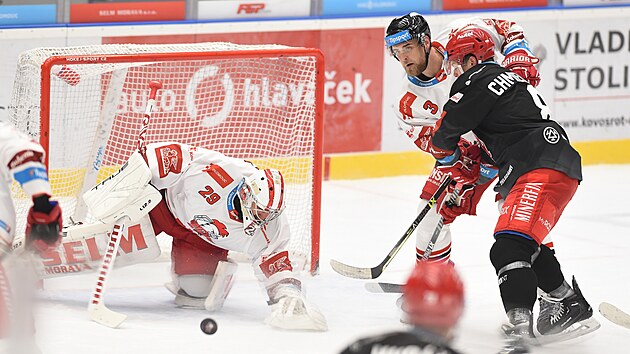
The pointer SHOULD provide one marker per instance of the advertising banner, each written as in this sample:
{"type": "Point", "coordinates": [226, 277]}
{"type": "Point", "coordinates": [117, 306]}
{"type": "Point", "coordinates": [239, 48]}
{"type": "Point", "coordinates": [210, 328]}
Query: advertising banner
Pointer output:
{"type": "Point", "coordinates": [353, 75]}
{"type": "Point", "coordinates": [225, 9]}
{"type": "Point", "coordinates": [490, 4]}
{"type": "Point", "coordinates": [362, 7]}
{"type": "Point", "coordinates": [28, 15]}
{"type": "Point", "coordinates": [128, 12]}
{"type": "Point", "coordinates": [585, 70]}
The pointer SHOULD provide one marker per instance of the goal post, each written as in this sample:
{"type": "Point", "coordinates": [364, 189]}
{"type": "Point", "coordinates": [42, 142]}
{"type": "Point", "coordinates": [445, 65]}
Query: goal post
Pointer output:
{"type": "Point", "coordinates": [262, 103]}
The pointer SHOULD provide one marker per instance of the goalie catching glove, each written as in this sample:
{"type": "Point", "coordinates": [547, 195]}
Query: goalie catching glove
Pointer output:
{"type": "Point", "coordinates": [43, 224]}
{"type": "Point", "coordinates": [290, 309]}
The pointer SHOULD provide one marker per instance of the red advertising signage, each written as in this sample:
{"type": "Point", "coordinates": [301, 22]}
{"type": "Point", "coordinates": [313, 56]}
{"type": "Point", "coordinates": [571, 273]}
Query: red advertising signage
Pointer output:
{"type": "Point", "coordinates": [128, 12]}
{"type": "Point", "coordinates": [490, 4]}
{"type": "Point", "coordinates": [353, 78]}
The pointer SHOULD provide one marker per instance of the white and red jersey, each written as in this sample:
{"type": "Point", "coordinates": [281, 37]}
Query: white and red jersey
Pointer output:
{"type": "Point", "coordinates": [505, 34]}
{"type": "Point", "coordinates": [21, 159]}
{"type": "Point", "coordinates": [200, 187]}
{"type": "Point", "coordinates": [419, 106]}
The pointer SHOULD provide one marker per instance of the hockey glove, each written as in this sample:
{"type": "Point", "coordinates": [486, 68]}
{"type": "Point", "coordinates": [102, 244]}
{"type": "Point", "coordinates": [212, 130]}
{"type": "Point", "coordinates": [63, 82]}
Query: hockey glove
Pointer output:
{"type": "Point", "coordinates": [463, 164]}
{"type": "Point", "coordinates": [43, 224]}
{"type": "Point", "coordinates": [290, 310]}
{"type": "Point", "coordinates": [466, 203]}
{"type": "Point", "coordinates": [521, 62]}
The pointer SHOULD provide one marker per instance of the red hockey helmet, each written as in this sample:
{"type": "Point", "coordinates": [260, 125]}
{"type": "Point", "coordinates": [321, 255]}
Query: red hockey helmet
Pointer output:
{"type": "Point", "coordinates": [433, 296]}
{"type": "Point", "coordinates": [468, 41]}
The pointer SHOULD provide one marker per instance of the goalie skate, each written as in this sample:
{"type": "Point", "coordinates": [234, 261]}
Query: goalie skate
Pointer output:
{"type": "Point", "coordinates": [184, 300]}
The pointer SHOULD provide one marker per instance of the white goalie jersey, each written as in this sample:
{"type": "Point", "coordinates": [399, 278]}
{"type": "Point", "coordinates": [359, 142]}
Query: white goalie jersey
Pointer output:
{"type": "Point", "coordinates": [200, 189]}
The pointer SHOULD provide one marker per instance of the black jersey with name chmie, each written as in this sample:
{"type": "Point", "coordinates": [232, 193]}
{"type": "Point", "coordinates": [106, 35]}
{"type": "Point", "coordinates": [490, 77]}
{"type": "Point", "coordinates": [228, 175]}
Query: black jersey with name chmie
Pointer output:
{"type": "Point", "coordinates": [415, 341]}
{"type": "Point", "coordinates": [511, 118]}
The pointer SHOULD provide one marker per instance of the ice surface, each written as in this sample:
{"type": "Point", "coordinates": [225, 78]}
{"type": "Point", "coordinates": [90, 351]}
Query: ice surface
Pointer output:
{"type": "Point", "coordinates": [361, 221]}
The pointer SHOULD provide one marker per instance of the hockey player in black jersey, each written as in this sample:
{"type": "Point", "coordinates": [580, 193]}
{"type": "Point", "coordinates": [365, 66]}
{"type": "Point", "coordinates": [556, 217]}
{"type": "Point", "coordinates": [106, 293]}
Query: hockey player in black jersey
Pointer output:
{"type": "Point", "coordinates": [433, 302]}
{"type": "Point", "coordinates": [539, 173]}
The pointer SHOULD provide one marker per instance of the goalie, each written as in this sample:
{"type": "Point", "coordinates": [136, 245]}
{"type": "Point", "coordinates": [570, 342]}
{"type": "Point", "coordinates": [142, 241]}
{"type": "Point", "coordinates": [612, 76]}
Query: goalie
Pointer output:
{"type": "Point", "coordinates": [212, 204]}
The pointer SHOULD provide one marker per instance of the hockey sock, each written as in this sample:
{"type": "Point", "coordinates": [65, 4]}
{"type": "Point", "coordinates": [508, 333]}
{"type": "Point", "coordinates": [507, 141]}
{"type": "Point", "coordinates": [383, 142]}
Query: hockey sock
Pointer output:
{"type": "Point", "coordinates": [511, 257]}
{"type": "Point", "coordinates": [548, 270]}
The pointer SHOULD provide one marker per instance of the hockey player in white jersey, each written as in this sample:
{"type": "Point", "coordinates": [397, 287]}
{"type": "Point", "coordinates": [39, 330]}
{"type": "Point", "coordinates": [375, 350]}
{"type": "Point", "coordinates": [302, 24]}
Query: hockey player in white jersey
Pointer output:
{"type": "Point", "coordinates": [425, 91]}
{"type": "Point", "coordinates": [21, 160]}
{"type": "Point", "coordinates": [213, 204]}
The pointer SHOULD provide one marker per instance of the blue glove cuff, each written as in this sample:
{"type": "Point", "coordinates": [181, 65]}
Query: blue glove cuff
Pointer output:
{"type": "Point", "coordinates": [450, 158]}
{"type": "Point", "coordinates": [487, 172]}
{"type": "Point", "coordinates": [522, 44]}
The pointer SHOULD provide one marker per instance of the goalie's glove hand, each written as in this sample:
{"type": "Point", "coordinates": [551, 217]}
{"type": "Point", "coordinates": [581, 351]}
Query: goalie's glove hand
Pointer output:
{"type": "Point", "coordinates": [521, 62]}
{"type": "Point", "coordinates": [43, 224]}
{"type": "Point", "coordinates": [463, 164]}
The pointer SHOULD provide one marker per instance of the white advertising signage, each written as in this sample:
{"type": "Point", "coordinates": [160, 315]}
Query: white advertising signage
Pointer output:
{"type": "Point", "coordinates": [225, 9]}
{"type": "Point", "coordinates": [585, 69]}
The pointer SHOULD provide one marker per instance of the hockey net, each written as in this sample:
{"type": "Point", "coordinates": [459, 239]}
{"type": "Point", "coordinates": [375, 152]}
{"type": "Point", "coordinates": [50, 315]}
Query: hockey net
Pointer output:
{"type": "Point", "coordinates": [260, 103]}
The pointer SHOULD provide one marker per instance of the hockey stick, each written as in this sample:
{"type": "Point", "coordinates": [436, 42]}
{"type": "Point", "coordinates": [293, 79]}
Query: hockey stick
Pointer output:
{"type": "Point", "coordinates": [614, 314]}
{"type": "Point", "coordinates": [102, 132]}
{"type": "Point", "coordinates": [375, 272]}
{"type": "Point", "coordinates": [97, 310]}
{"type": "Point", "coordinates": [381, 287]}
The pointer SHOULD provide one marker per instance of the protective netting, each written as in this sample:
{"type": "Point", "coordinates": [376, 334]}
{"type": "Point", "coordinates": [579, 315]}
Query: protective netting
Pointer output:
{"type": "Point", "coordinates": [86, 104]}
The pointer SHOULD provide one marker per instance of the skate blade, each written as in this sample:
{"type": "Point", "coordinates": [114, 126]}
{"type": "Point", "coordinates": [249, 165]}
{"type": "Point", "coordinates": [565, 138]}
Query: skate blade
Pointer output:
{"type": "Point", "coordinates": [577, 330]}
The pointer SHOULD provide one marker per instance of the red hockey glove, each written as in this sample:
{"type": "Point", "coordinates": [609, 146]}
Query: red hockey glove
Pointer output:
{"type": "Point", "coordinates": [522, 63]}
{"type": "Point", "coordinates": [463, 165]}
{"type": "Point", "coordinates": [43, 224]}
{"type": "Point", "coordinates": [466, 203]}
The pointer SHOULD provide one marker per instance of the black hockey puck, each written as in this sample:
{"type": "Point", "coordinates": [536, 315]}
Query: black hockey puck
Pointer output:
{"type": "Point", "coordinates": [209, 326]}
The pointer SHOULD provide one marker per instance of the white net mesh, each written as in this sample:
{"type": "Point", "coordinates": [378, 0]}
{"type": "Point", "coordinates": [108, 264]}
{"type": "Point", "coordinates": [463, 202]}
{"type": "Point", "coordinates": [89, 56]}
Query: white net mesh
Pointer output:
{"type": "Point", "coordinates": [251, 102]}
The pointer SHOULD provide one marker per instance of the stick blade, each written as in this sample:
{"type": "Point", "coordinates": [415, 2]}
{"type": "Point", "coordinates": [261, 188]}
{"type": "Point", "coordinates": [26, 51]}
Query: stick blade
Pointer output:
{"type": "Point", "coordinates": [102, 315]}
{"type": "Point", "coordinates": [614, 314]}
{"type": "Point", "coordinates": [352, 272]}
{"type": "Point", "coordinates": [384, 288]}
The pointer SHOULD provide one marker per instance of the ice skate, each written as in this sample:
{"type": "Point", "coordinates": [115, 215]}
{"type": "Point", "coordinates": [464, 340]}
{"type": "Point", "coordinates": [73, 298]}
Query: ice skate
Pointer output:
{"type": "Point", "coordinates": [572, 314]}
{"type": "Point", "coordinates": [517, 332]}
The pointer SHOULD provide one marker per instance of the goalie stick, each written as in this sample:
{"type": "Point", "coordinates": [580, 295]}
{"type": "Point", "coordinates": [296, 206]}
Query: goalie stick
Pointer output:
{"type": "Point", "coordinates": [97, 310]}
{"type": "Point", "coordinates": [375, 272]}
{"type": "Point", "coordinates": [614, 314]}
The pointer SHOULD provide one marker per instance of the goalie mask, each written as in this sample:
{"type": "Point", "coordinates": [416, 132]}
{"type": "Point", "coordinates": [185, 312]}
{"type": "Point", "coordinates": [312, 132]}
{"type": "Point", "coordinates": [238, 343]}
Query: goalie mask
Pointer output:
{"type": "Point", "coordinates": [433, 296]}
{"type": "Point", "coordinates": [262, 196]}
{"type": "Point", "coordinates": [472, 41]}
{"type": "Point", "coordinates": [405, 28]}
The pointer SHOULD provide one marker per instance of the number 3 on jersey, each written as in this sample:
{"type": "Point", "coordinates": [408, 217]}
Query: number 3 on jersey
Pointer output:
{"type": "Point", "coordinates": [430, 106]}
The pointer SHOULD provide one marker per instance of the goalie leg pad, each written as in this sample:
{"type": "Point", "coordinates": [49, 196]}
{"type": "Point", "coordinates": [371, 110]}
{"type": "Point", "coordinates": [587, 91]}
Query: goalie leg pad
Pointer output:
{"type": "Point", "coordinates": [190, 290]}
{"type": "Point", "coordinates": [125, 193]}
{"type": "Point", "coordinates": [221, 285]}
